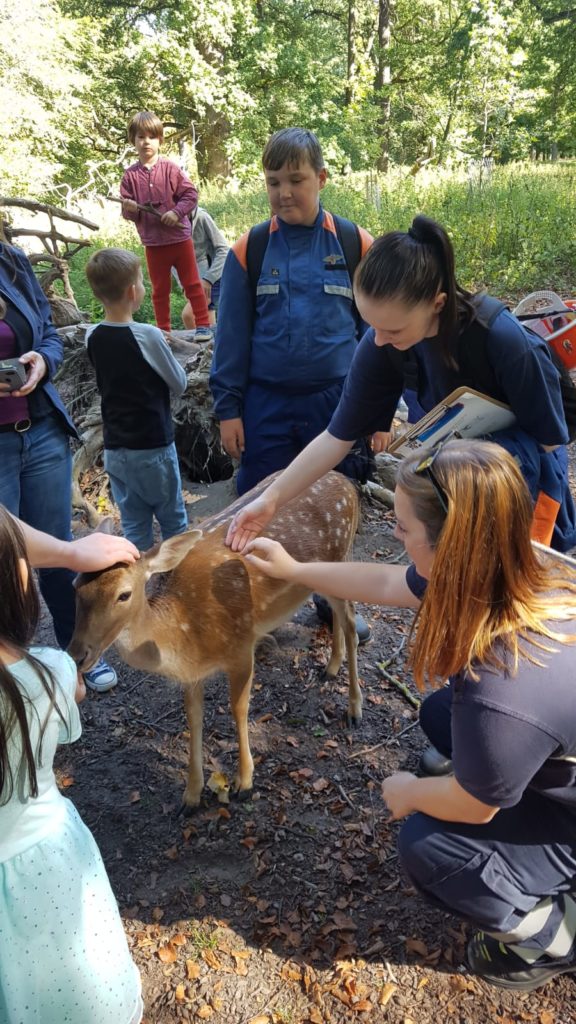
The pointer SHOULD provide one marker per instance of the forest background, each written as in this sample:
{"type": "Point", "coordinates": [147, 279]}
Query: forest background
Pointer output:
{"type": "Point", "coordinates": [463, 109]}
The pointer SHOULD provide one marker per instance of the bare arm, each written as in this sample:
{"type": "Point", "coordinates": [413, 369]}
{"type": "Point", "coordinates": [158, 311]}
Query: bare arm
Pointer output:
{"type": "Point", "coordinates": [352, 581]}
{"type": "Point", "coordinates": [321, 455]}
{"type": "Point", "coordinates": [88, 554]}
{"type": "Point", "coordinates": [442, 798]}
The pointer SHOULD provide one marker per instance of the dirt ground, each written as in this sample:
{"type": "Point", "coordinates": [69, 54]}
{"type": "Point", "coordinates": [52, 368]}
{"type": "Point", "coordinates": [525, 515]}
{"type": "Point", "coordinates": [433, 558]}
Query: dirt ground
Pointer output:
{"type": "Point", "coordinates": [289, 908]}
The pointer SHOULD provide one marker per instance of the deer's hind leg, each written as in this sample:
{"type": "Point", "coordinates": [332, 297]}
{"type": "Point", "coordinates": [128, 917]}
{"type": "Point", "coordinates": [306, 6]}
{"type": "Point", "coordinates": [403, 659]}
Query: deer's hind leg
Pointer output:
{"type": "Point", "coordinates": [344, 633]}
{"type": "Point", "coordinates": [240, 679]}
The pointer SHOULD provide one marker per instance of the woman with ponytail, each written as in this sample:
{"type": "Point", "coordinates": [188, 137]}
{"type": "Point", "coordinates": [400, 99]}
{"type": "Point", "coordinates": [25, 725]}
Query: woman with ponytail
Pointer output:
{"type": "Point", "coordinates": [406, 289]}
{"type": "Point", "coordinates": [494, 841]}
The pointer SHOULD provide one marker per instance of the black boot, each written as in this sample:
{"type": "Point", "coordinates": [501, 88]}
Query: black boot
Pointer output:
{"type": "Point", "coordinates": [433, 762]}
{"type": "Point", "coordinates": [324, 613]}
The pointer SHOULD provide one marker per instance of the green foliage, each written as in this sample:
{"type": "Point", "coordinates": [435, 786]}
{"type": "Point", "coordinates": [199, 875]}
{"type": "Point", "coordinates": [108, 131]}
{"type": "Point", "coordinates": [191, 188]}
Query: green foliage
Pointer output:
{"type": "Point", "coordinates": [513, 231]}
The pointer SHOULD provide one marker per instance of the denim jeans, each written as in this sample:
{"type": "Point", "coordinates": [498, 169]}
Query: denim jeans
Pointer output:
{"type": "Point", "coordinates": [145, 483]}
{"type": "Point", "coordinates": [36, 485]}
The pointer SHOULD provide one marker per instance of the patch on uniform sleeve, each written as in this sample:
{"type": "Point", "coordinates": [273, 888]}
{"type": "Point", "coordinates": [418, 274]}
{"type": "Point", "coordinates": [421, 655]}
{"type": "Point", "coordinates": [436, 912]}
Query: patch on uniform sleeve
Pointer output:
{"type": "Point", "coordinates": [334, 261]}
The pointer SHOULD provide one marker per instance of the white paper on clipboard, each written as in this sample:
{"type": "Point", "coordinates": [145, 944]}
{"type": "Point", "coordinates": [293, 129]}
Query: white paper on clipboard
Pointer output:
{"type": "Point", "coordinates": [468, 412]}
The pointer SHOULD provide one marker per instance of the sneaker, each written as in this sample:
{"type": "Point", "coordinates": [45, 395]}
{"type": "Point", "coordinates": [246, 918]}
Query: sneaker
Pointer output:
{"type": "Point", "coordinates": [498, 964]}
{"type": "Point", "coordinates": [324, 613]}
{"type": "Point", "coordinates": [101, 678]}
{"type": "Point", "coordinates": [203, 334]}
{"type": "Point", "coordinates": [433, 762]}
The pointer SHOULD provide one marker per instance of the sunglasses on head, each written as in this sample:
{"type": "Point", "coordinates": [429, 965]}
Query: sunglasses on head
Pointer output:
{"type": "Point", "coordinates": [424, 468]}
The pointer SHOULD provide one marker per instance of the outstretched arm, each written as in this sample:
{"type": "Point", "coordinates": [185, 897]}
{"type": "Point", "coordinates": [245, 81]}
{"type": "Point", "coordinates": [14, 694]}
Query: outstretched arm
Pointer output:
{"type": "Point", "coordinates": [352, 581]}
{"type": "Point", "coordinates": [88, 554]}
{"type": "Point", "coordinates": [322, 454]}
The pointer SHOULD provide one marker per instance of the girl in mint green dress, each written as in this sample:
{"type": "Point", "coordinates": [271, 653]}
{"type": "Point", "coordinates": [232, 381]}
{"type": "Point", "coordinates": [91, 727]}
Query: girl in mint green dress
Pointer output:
{"type": "Point", "coordinates": [63, 953]}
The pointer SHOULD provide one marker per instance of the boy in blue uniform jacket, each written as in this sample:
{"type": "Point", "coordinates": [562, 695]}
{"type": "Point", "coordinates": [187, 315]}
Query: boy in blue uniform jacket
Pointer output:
{"type": "Point", "coordinates": [281, 355]}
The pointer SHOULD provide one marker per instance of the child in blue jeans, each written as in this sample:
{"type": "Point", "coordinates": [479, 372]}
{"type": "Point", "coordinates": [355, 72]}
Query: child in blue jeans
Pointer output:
{"type": "Point", "coordinates": [63, 952]}
{"type": "Point", "coordinates": [136, 374]}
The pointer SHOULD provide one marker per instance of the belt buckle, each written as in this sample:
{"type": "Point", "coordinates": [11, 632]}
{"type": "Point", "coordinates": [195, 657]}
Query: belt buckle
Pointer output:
{"type": "Point", "coordinates": [21, 426]}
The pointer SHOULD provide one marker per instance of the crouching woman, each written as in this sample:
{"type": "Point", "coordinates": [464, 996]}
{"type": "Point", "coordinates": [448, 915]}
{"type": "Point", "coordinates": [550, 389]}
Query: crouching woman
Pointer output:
{"type": "Point", "coordinates": [495, 842]}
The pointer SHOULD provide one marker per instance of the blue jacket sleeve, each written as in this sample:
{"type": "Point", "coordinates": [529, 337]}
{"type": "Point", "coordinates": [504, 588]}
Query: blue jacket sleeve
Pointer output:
{"type": "Point", "coordinates": [233, 345]}
{"type": "Point", "coordinates": [47, 341]}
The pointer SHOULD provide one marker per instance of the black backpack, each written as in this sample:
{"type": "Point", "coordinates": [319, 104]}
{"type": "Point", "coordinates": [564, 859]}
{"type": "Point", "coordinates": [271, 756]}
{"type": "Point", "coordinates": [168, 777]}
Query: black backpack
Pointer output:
{"type": "Point", "coordinates": [347, 234]}
{"type": "Point", "coordinates": [475, 367]}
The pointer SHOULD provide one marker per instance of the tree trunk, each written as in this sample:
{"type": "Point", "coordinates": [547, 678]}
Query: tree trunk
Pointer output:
{"type": "Point", "coordinates": [382, 83]}
{"type": "Point", "coordinates": [351, 56]}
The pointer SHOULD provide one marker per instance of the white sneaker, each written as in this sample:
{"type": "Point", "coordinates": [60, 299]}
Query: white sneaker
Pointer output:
{"type": "Point", "coordinates": [101, 678]}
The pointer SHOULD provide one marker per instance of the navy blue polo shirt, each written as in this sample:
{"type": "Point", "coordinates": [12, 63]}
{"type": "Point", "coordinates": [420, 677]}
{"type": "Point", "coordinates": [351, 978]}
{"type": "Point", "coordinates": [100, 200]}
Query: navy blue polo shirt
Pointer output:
{"type": "Point", "coordinates": [522, 367]}
{"type": "Point", "coordinates": [516, 732]}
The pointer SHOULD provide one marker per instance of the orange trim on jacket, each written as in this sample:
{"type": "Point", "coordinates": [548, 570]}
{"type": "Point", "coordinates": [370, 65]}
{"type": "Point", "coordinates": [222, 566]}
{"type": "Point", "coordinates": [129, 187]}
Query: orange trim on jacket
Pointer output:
{"type": "Point", "coordinates": [545, 512]}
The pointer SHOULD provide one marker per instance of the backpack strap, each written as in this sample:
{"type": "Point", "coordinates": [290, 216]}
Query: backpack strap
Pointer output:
{"type": "Point", "coordinates": [348, 235]}
{"type": "Point", "coordinates": [255, 248]}
{"type": "Point", "coordinates": [471, 356]}
{"type": "Point", "coordinates": [351, 242]}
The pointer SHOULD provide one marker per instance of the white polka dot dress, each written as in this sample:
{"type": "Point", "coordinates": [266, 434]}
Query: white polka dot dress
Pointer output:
{"type": "Point", "coordinates": [63, 952]}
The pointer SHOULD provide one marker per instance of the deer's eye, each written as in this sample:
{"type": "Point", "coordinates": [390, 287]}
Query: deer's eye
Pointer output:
{"type": "Point", "coordinates": [125, 595]}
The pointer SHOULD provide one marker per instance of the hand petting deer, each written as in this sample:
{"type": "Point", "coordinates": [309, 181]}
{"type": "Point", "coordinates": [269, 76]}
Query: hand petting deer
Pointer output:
{"type": "Point", "coordinates": [214, 607]}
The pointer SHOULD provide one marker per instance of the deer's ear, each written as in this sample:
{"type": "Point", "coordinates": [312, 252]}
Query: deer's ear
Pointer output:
{"type": "Point", "coordinates": [171, 552]}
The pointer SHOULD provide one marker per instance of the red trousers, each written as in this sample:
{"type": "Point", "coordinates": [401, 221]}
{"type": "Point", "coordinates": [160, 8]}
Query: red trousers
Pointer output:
{"type": "Point", "coordinates": [160, 260]}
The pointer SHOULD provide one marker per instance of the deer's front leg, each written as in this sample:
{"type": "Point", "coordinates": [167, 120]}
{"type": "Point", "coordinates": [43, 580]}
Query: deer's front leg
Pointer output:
{"type": "Point", "coordinates": [194, 704]}
{"type": "Point", "coordinates": [240, 677]}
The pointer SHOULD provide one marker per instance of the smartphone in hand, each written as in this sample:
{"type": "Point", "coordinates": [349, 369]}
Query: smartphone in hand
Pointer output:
{"type": "Point", "coordinates": [12, 373]}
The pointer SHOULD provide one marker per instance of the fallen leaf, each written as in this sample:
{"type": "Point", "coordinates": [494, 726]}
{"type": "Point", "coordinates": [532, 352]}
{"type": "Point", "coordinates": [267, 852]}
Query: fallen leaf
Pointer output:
{"type": "Point", "coordinates": [290, 973]}
{"type": "Point", "coordinates": [314, 1015]}
{"type": "Point", "coordinates": [364, 1006]}
{"type": "Point", "coordinates": [167, 954]}
{"type": "Point", "coordinates": [171, 853]}
{"type": "Point", "coordinates": [134, 796]}
{"type": "Point", "coordinates": [262, 1018]}
{"type": "Point", "coordinates": [416, 946]}
{"type": "Point", "coordinates": [344, 923]}
{"type": "Point", "coordinates": [204, 1011]}
{"type": "Point", "coordinates": [178, 939]}
{"type": "Point", "coordinates": [193, 970]}
{"type": "Point", "coordinates": [249, 842]}
{"type": "Point", "coordinates": [209, 957]}
{"type": "Point", "coordinates": [546, 1017]}
{"type": "Point", "coordinates": [319, 785]}
{"type": "Point", "coordinates": [67, 781]}
{"type": "Point", "coordinates": [180, 993]}
{"type": "Point", "coordinates": [386, 994]}
{"type": "Point", "coordinates": [157, 914]}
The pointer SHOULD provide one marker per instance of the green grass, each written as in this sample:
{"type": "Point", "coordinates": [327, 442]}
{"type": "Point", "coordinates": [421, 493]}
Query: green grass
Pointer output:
{"type": "Point", "coordinates": [513, 233]}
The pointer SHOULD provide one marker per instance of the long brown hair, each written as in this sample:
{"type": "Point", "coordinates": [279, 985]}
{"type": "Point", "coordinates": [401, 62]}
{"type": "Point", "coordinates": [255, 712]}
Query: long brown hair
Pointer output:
{"type": "Point", "coordinates": [488, 599]}
{"type": "Point", "coordinates": [19, 610]}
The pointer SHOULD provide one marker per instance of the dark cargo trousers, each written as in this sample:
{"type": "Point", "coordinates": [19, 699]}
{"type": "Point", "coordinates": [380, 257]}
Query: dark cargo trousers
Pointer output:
{"type": "Point", "coordinates": [510, 877]}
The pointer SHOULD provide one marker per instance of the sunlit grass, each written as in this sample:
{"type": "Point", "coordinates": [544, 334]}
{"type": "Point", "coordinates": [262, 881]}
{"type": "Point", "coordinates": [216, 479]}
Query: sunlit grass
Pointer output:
{"type": "Point", "coordinates": [514, 230]}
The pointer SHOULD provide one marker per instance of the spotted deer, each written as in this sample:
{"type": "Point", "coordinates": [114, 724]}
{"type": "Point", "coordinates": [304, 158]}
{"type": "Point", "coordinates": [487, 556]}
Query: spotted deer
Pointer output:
{"type": "Point", "coordinates": [213, 607]}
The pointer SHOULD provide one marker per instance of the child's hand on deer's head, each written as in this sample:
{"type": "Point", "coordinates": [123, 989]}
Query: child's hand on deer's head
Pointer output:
{"type": "Point", "coordinates": [271, 558]}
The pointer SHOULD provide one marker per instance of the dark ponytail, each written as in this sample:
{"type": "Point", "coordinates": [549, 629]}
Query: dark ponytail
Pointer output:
{"type": "Point", "coordinates": [413, 266]}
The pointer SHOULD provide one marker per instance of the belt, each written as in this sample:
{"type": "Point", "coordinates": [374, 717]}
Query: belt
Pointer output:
{"type": "Point", "coordinates": [21, 426]}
